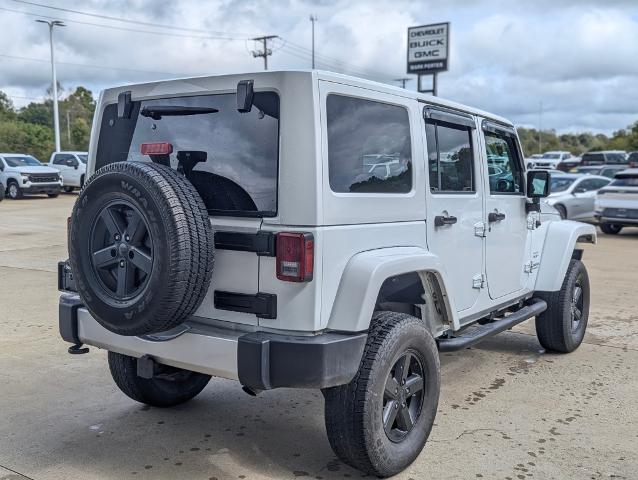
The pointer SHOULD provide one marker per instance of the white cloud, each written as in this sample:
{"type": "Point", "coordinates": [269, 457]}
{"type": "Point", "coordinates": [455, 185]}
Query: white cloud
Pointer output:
{"type": "Point", "coordinates": [577, 57]}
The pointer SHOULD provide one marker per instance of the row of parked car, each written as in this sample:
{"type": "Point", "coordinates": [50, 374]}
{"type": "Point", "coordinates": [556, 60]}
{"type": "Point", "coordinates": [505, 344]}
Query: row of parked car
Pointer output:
{"type": "Point", "coordinates": [599, 187]}
{"type": "Point", "coordinates": [24, 174]}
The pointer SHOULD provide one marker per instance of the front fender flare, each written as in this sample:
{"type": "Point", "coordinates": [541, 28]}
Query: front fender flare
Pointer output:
{"type": "Point", "coordinates": [560, 241]}
{"type": "Point", "coordinates": [365, 273]}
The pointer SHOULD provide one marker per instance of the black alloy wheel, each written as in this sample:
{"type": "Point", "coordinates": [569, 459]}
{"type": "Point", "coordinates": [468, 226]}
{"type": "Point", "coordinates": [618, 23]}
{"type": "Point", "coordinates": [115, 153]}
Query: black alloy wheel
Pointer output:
{"type": "Point", "coordinates": [121, 250]}
{"type": "Point", "coordinates": [402, 397]}
{"type": "Point", "coordinates": [577, 304]}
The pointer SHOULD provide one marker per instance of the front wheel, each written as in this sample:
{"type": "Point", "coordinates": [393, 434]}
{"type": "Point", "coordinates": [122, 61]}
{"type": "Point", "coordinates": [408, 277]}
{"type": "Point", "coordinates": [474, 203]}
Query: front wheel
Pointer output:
{"type": "Point", "coordinates": [169, 387]}
{"type": "Point", "coordinates": [68, 189]}
{"type": "Point", "coordinates": [561, 328]}
{"type": "Point", "coordinates": [53, 195]}
{"type": "Point", "coordinates": [380, 421]}
{"type": "Point", "coordinates": [14, 191]}
{"type": "Point", "coordinates": [610, 228]}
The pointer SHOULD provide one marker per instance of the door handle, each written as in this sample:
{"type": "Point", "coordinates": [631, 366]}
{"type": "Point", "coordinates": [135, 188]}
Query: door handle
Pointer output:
{"type": "Point", "coordinates": [441, 220]}
{"type": "Point", "coordinates": [495, 217]}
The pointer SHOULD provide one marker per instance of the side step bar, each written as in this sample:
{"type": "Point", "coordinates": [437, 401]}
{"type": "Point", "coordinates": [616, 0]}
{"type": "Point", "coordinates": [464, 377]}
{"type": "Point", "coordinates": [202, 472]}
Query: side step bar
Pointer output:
{"type": "Point", "coordinates": [475, 334]}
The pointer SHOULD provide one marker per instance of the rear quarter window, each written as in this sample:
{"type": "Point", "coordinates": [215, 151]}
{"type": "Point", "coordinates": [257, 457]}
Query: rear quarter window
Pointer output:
{"type": "Point", "coordinates": [369, 146]}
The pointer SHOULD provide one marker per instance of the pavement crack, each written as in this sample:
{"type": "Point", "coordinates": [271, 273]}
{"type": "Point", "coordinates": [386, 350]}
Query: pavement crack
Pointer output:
{"type": "Point", "coordinates": [17, 473]}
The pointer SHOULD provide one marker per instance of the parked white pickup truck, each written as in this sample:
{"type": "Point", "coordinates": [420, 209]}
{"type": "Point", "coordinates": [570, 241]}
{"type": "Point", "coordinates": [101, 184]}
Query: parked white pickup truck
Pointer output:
{"type": "Point", "coordinates": [24, 174]}
{"type": "Point", "coordinates": [72, 168]}
{"type": "Point", "coordinates": [246, 227]}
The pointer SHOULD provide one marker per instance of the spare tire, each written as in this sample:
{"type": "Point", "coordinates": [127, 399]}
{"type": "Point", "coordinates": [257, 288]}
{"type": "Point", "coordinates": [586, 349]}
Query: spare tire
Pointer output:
{"type": "Point", "coordinates": [141, 247]}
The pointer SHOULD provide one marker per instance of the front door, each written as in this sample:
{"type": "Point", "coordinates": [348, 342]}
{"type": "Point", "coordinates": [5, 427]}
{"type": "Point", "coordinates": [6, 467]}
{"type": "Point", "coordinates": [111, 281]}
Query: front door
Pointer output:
{"type": "Point", "coordinates": [454, 200]}
{"type": "Point", "coordinates": [507, 246]}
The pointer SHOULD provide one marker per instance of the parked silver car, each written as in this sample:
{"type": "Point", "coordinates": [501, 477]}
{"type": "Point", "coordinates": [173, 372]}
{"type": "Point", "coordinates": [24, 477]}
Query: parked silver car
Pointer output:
{"type": "Point", "coordinates": [617, 205]}
{"type": "Point", "coordinates": [573, 195]}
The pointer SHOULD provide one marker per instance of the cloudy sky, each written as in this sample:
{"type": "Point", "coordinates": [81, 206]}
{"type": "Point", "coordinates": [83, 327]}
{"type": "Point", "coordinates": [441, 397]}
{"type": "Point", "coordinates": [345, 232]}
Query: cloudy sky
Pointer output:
{"type": "Point", "coordinates": [578, 58]}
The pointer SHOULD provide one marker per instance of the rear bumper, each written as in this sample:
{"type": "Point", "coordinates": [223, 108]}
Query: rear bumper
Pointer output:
{"type": "Point", "coordinates": [259, 360]}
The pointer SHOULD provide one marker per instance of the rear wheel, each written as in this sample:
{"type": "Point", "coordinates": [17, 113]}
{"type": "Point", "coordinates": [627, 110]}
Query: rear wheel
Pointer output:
{"type": "Point", "coordinates": [562, 326]}
{"type": "Point", "coordinates": [53, 195]}
{"type": "Point", "coordinates": [169, 387]}
{"type": "Point", "coordinates": [68, 189]}
{"type": "Point", "coordinates": [14, 190]}
{"type": "Point", "coordinates": [610, 228]}
{"type": "Point", "coordinates": [380, 421]}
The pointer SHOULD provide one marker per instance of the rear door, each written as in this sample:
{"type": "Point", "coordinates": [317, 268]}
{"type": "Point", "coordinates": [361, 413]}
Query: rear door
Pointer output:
{"type": "Point", "coordinates": [454, 200]}
{"type": "Point", "coordinates": [507, 242]}
{"type": "Point", "coordinates": [231, 158]}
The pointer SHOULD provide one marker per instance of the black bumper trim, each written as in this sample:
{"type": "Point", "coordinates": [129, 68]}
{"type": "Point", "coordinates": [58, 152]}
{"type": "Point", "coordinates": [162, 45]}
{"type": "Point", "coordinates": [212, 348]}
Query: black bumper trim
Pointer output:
{"type": "Point", "coordinates": [68, 318]}
{"type": "Point", "coordinates": [268, 360]}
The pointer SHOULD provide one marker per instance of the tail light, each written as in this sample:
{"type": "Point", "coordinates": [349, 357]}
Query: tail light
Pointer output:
{"type": "Point", "coordinates": [295, 256]}
{"type": "Point", "coordinates": [157, 148]}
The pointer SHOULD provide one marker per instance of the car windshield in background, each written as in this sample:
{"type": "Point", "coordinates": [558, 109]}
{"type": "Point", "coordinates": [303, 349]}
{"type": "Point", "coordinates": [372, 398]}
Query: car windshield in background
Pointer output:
{"type": "Point", "coordinates": [560, 184]}
{"type": "Point", "coordinates": [26, 161]}
{"type": "Point", "coordinates": [230, 157]}
{"type": "Point", "coordinates": [83, 158]}
{"type": "Point", "coordinates": [625, 182]}
{"type": "Point", "coordinates": [616, 158]}
{"type": "Point", "coordinates": [551, 156]}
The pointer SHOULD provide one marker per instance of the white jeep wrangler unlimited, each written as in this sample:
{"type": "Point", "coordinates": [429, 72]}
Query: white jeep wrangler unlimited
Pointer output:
{"type": "Point", "coordinates": [248, 227]}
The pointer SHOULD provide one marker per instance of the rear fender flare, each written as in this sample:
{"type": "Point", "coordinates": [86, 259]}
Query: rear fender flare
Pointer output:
{"type": "Point", "coordinates": [560, 242]}
{"type": "Point", "coordinates": [364, 275]}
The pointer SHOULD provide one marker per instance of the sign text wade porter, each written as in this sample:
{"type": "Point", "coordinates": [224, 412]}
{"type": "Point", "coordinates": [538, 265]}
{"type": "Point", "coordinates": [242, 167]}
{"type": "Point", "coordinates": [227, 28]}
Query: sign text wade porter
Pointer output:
{"type": "Point", "coordinates": [428, 47]}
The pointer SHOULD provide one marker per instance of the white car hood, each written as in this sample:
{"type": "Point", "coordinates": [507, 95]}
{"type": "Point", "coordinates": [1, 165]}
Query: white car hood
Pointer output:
{"type": "Point", "coordinates": [33, 169]}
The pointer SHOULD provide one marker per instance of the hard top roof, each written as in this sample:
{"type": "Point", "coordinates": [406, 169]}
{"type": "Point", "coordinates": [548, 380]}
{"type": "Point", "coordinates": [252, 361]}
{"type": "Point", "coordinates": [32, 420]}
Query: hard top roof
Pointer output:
{"type": "Point", "coordinates": [338, 78]}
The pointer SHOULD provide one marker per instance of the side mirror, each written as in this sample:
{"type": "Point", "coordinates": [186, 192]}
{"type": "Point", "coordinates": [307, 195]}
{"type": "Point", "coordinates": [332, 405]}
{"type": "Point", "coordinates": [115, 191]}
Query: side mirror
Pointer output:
{"type": "Point", "coordinates": [538, 183]}
{"type": "Point", "coordinates": [245, 96]}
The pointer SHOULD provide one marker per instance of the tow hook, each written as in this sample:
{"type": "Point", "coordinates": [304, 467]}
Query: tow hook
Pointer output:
{"type": "Point", "coordinates": [78, 349]}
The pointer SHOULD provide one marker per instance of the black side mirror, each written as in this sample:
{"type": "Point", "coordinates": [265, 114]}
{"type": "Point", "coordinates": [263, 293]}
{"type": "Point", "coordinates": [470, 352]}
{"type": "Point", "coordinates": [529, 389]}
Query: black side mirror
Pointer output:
{"type": "Point", "coordinates": [245, 96]}
{"type": "Point", "coordinates": [538, 183]}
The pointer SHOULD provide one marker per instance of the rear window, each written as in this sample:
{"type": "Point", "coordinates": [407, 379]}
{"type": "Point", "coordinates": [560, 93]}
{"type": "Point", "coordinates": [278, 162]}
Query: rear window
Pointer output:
{"type": "Point", "coordinates": [593, 158]}
{"type": "Point", "coordinates": [625, 182]}
{"type": "Point", "coordinates": [369, 148]}
{"type": "Point", "coordinates": [230, 157]}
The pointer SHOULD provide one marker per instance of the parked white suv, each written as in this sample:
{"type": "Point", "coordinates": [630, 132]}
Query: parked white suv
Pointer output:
{"type": "Point", "coordinates": [550, 160]}
{"type": "Point", "coordinates": [24, 174]}
{"type": "Point", "coordinates": [72, 168]}
{"type": "Point", "coordinates": [232, 226]}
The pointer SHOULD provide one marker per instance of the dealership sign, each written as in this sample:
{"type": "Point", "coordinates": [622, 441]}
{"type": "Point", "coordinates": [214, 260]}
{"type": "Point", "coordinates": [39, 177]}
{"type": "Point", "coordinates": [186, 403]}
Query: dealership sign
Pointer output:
{"type": "Point", "coordinates": [428, 47]}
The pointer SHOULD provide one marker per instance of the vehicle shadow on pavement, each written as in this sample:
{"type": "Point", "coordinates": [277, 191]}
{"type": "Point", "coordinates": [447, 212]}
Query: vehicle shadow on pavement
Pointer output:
{"type": "Point", "coordinates": [221, 434]}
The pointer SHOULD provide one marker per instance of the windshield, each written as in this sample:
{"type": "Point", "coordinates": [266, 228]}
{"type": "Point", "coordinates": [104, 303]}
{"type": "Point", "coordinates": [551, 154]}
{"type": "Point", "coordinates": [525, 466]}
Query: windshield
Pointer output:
{"type": "Point", "coordinates": [616, 158]}
{"type": "Point", "coordinates": [551, 156]}
{"type": "Point", "coordinates": [625, 182]}
{"type": "Point", "coordinates": [83, 157]}
{"type": "Point", "coordinates": [560, 184]}
{"type": "Point", "coordinates": [26, 161]}
{"type": "Point", "coordinates": [230, 157]}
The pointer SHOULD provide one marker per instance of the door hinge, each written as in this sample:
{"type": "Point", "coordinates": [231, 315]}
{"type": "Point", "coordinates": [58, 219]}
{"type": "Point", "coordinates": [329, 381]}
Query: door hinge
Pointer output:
{"type": "Point", "coordinates": [532, 221]}
{"type": "Point", "coordinates": [480, 229]}
{"type": "Point", "coordinates": [478, 280]}
{"type": "Point", "coordinates": [531, 266]}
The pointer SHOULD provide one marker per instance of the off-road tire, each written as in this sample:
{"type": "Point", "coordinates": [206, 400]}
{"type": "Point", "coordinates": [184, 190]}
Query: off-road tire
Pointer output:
{"type": "Point", "coordinates": [171, 387]}
{"type": "Point", "coordinates": [182, 247]}
{"type": "Point", "coordinates": [353, 412]}
{"type": "Point", "coordinates": [555, 327]}
{"type": "Point", "coordinates": [562, 211]}
{"type": "Point", "coordinates": [16, 193]}
{"type": "Point", "coordinates": [610, 228]}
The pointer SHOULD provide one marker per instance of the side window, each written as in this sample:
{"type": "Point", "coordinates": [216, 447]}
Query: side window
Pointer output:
{"type": "Point", "coordinates": [450, 158]}
{"type": "Point", "coordinates": [369, 147]}
{"type": "Point", "coordinates": [503, 161]}
{"type": "Point", "coordinates": [587, 185]}
{"type": "Point", "coordinates": [61, 158]}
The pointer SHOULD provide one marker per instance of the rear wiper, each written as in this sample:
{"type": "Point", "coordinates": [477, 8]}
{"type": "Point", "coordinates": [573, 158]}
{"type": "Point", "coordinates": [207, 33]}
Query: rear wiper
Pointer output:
{"type": "Point", "coordinates": [157, 112]}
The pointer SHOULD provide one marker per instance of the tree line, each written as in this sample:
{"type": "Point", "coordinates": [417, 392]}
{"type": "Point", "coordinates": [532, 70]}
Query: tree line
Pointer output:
{"type": "Point", "coordinates": [30, 130]}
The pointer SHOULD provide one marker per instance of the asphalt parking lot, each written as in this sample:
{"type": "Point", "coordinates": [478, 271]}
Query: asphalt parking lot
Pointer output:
{"type": "Point", "coordinates": [508, 410]}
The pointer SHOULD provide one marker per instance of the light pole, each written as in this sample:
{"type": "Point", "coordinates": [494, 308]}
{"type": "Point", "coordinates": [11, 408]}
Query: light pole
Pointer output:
{"type": "Point", "coordinates": [313, 19]}
{"type": "Point", "coordinates": [56, 120]}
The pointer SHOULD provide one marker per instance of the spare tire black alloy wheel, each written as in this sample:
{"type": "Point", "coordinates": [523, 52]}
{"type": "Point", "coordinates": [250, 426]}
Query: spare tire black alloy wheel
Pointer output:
{"type": "Point", "coordinates": [141, 248]}
{"type": "Point", "coordinates": [402, 397]}
{"type": "Point", "coordinates": [122, 250]}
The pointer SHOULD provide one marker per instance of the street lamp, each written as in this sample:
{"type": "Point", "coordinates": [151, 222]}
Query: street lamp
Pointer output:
{"type": "Point", "coordinates": [56, 120]}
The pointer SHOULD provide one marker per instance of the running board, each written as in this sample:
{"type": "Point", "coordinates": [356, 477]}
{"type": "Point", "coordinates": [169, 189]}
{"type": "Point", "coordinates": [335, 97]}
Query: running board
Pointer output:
{"type": "Point", "coordinates": [475, 334]}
